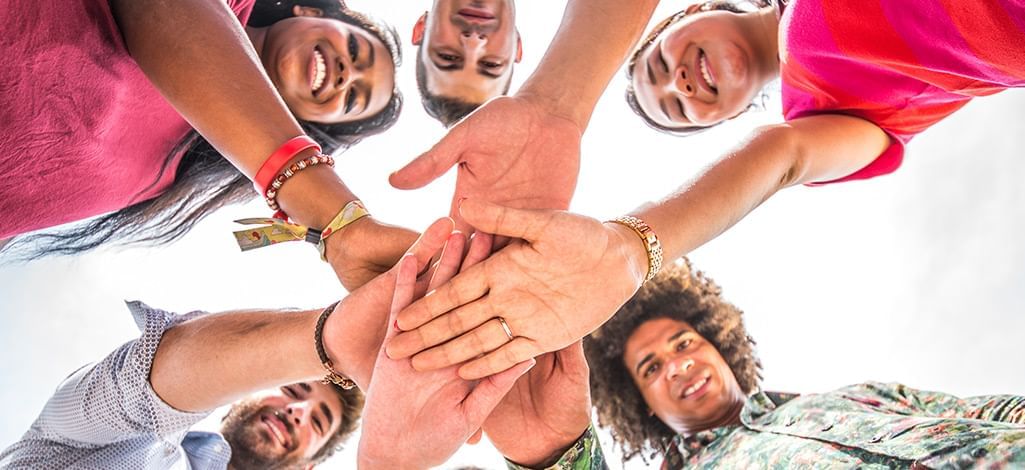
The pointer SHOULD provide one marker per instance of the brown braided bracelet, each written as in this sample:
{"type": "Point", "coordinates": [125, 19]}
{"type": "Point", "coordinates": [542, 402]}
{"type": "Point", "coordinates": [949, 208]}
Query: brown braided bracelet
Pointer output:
{"type": "Point", "coordinates": [332, 377]}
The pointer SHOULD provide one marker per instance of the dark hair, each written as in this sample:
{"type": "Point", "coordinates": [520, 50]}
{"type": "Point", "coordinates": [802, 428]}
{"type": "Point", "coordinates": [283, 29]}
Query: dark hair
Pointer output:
{"type": "Point", "coordinates": [680, 294]}
{"type": "Point", "coordinates": [443, 108]}
{"type": "Point", "coordinates": [205, 181]}
{"type": "Point", "coordinates": [631, 97]}
{"type": "Point", "coordinates": [352, 408]}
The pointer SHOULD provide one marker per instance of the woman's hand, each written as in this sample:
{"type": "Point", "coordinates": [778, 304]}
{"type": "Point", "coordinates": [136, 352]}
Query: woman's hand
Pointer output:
{"type": "Point", "coordinates": [418, 419]}
{"type": "Point", "coordinates": [366, 248]}
{"type": "Point", "coordinates": [565, 278]}
{"type": "Point", "coordinates": [511, 151]}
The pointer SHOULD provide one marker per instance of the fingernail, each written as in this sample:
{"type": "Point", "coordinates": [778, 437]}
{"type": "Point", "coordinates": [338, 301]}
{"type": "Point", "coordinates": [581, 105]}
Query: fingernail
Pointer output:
{"type": "Point", "coordinates": [396, 325]}
{"type": "Point", "coordinates": [459, 205]}
{"type": "Point", "coordinates": [533, 362]}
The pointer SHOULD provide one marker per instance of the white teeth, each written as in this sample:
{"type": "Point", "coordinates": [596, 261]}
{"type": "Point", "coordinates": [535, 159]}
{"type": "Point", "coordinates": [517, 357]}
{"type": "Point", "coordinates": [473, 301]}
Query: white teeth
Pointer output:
{"type": "Point", "coordinates": [277, 432]}
{"type": "Point", "coordinates": [693, 388]}
{"type": "Point", "coordinates": [321, 72]}
{"type": "Point", "coordinates": [703, 65]}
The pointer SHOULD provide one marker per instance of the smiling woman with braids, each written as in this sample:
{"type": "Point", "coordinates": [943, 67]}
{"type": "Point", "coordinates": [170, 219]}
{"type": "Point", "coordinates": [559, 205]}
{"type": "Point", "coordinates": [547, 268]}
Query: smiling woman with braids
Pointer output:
{"type": "Point", "coordinates": [116, 123]}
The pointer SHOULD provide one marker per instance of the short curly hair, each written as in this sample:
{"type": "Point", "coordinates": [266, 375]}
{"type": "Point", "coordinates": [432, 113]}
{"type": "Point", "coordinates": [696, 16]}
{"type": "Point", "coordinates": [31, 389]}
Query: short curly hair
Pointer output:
{"type": "Point", "coordinates": [680, 294]}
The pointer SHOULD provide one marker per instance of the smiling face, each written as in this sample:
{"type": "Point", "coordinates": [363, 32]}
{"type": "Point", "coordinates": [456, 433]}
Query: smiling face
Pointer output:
{"type": "Point", "coordinates": [467, 48]}
{"type": "Point", "coordinates": [701, 70]}
{"type": "Point", "coordinates": [327, 71]}
{"type": "Point", "coordinates": [681, 376]}
{"type": "Point", "coordinates": [283, 427]}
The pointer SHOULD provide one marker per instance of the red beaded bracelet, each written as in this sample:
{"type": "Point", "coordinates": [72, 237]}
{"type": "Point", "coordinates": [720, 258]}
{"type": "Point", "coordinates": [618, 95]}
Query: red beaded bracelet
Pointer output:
{"type": "Point", "coordinates": [271, 195]}
{"type": "Point", "coordinates": [273, 165]}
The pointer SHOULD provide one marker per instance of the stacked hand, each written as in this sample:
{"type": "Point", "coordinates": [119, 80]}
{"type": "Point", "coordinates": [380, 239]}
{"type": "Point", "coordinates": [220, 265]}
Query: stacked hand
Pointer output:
{"type": "Point", "coordinates": [366, 248]}
{"type": "Point", "coordinates": [565, 277]}
{"type": "Point", "coordinates": [546, 412]}
{"type": "Point", "coordinates": [418, 419]}
{"type": "Point", "coordinates": [511, 151]}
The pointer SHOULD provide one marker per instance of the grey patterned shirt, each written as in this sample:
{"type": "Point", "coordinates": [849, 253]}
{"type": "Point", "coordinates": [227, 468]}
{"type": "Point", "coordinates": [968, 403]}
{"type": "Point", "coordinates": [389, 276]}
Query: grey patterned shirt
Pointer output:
{"type": "Point", "coordinates": [107, 416]}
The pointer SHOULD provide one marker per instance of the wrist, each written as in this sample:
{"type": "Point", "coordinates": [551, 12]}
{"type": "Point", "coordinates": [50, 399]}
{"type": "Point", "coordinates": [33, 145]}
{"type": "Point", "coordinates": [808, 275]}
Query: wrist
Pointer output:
{"type": "Point", "coordinates": [554, 103]}
{"type": "Point", "coordinates": [625, 243]}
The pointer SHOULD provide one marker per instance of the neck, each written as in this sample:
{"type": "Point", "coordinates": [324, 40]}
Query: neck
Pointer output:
{"type": "Point", "coordinates": [763, 29]}
{"type": "Point", "coordinates": [730, 418]}
{"type": "Point", "coordinates": [257, 37]}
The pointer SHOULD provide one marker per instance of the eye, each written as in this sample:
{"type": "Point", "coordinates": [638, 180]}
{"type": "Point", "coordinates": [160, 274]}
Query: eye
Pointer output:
{"type": "Point", "coordinates": [448, 57]}
{"type": "Point", "coordinates": [353, 48]}
{"type": "Point", "coordinates": [683, 345]}
{"type": "Point", "coordinates": [318, 425]}
{"type": "Point", "coordinates": [289, 392]}
{"type": "Point", "coordinates": [651, 369]}
{"type": "Point", "coordinates": [490, 65]}
{"type": "Point", "coordinates": [350, 100]}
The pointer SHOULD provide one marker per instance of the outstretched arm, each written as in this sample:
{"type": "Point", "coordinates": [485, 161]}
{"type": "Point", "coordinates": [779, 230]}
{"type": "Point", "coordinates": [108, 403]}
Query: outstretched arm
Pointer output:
{"type": "Point", "coordinates": [807, 150]}
{"type": "Point", "coordinates": [199, 57]}
{"type": "Point", "coordinates": [571, 272]}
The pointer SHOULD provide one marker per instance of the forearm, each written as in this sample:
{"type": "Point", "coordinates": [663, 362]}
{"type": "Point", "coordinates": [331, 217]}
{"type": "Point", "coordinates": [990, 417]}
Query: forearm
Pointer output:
{"type": "Point", "coordinates": [608, 30]}
{"type": "Point", "coordinates": [724, 194]}
{"type": "Point", "coordinates": [200, 58]}
{"type": "Point", "coordinates": [216, 359]}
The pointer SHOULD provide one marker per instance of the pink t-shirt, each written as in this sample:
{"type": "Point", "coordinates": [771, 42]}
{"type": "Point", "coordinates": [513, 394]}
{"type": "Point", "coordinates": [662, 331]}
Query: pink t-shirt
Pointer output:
{"type": "Point", "coordinates": [901, 64]}
{"type": "Point", "coordinates": [82, 130]}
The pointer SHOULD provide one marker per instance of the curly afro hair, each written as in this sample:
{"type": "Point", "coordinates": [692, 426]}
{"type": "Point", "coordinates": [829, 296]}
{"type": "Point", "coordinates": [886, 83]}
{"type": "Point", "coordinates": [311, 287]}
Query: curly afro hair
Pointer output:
{"type": "Point", "coordinates": [680, 294]}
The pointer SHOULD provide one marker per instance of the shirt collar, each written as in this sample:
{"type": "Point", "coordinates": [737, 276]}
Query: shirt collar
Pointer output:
{"type": "Point", "coordinates": [757, 405]}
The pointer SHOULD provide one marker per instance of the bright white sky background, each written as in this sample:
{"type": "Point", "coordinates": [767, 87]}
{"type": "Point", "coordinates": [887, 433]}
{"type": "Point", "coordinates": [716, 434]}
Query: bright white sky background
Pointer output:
{"type": "Point", "coordinates": [917, 277]}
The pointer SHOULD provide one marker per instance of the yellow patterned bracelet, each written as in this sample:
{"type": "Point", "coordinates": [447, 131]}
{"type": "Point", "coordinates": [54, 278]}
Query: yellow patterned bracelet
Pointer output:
{"type": "Point", "coordinates": [352, 212]}
{"type": "Point", "coordinates": [276, 231]}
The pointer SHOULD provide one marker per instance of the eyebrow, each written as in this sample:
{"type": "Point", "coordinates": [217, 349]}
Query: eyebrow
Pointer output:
{"type": "Point", "coordinates": [650, 356]}
{"type": "Point", "coordinates": [327, 414]}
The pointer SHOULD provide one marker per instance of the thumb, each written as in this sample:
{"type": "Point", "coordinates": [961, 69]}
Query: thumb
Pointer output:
{"type": "Point", "coordinates": [431, 164]}
{"type": "Point", "coordinates": [527, 224]}
{"type": "Point", "coordinates": [490, 391]}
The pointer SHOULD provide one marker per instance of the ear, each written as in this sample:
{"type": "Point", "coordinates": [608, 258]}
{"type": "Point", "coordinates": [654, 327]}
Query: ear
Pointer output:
{"type": "Point", "coordinates": [695, 8]}
{"type": "Point", "coordinates": [519, 48]}
{"type": "Point", "coordinates": [418, 29]}
{"type": "Point", "coordinates": [299, 10]}
{"type": "Point", "coordinates": [308, 466]}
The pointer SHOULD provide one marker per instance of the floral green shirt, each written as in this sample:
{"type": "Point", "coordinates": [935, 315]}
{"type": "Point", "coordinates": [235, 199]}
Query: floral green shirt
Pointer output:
{"type": "Point", "coordinates": [584, 454]}
{"type": "Point", "coordinates": [865, 426]}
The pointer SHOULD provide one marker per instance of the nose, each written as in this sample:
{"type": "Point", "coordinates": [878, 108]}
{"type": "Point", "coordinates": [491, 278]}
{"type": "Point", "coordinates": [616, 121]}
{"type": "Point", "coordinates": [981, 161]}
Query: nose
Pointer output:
{"type": "Point", "coordinates": [683, 81]}
{"type": "Point", "coordinates": [298, 412]}
{"type": "Point", "coordinates": [678, 367]}
{"type": "Point", "coordinates": [473, 40]}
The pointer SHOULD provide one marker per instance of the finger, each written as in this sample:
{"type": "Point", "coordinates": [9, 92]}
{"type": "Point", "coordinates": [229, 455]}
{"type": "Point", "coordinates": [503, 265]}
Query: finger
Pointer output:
{"type": "Point", "coordinates": [455, 323]}
{"type": "Point", "coordinates": [572, 358]}
{"type": "Point", "coordinates": [480, 248]}
{"type": "Point", "coordinates": [431, 241]}
{"type": "Point", "coordinates": [489, 392]}
{"type": "Point", "coordinates": [513, 352]}
{"type": "Point", "coordinates": [475, 438]}
{"type": "Point", "coordinates": [431, 164]}
{"type": "Point", "coordinates": [527, 224]}
{"type": "Point", "coordinates": [405, 285]}
{"type": "Point", "coordinates": [450, 261]}
{"type": "Point", "coordinates": [460, 290]}
{"type": "Point", "coordinates": [483, 339]}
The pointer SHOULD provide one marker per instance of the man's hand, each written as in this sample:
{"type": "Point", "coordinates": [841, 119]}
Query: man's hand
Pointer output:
{"type": "Point", "coordinates": [512, 151]}
{"type": "Point", "coordinates": [353, 334]}
{"type": "Point", "coordinates": [418, 419]}
{"type": "Point", "coordinates": [565, 278]}
{"type": "Point", "coordinates": [546, 412]}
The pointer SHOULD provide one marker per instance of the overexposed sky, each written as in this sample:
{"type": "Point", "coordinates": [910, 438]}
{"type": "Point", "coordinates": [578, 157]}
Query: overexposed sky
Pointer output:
{"type": "Point", "coordinates": [917, 277]}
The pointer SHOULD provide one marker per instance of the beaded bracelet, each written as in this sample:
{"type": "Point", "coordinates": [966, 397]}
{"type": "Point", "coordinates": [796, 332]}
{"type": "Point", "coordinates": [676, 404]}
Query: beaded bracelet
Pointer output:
{"type": "Point", "coordinates": [271, 195]}
{"type": "Point", "coordinates": [277, 160]}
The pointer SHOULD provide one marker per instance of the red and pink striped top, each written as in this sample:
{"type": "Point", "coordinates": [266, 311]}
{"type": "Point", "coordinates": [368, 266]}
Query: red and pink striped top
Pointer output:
{"type": "Point", "coordinates": [901, 64]}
